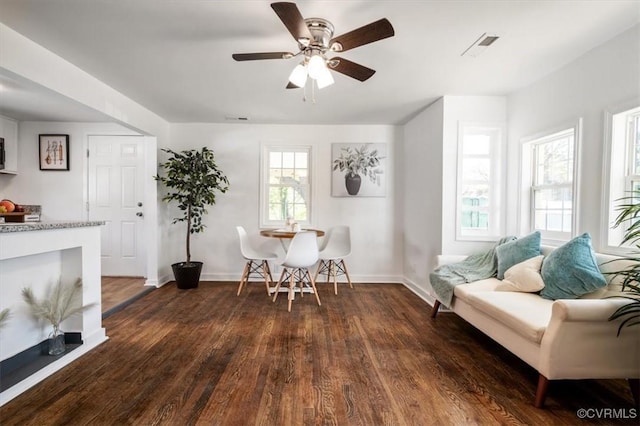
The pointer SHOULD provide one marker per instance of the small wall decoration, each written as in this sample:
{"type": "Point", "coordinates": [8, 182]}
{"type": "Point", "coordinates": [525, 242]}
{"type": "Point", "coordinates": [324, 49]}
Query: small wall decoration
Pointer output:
{"type": "Point", "coordinates": [54, 152]}
{"type": "Point", "coordinates": [358, 170]}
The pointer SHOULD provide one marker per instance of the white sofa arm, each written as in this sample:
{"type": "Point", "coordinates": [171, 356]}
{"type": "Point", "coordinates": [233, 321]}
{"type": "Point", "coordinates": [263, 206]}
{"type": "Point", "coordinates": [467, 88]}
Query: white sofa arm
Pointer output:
{"type": "Point", "coordinates": [586, 309]}
{"type": "Point", "coordinates": [581, 343]}
{"type": "Point", "coordinates": [447, 259]}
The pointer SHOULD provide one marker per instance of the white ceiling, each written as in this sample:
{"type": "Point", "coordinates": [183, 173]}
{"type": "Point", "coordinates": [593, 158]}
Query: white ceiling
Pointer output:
{"type": "Point", "coordinates": [174, 57]}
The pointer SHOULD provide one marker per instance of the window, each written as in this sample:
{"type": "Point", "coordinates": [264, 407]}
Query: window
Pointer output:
{"type": "Point", "coordinates": [548, 199]}
{"type": "Point", "coordinates": [622, 170]}
{"type": "Point", "coordinates": [479, 183]}
{"type": "Point", "coordinates": [286, 185]}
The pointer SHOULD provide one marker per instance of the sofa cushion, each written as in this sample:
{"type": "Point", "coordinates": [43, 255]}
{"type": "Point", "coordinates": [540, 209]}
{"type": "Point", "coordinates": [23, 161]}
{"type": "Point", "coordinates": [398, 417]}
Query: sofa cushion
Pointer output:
{"type": "Point", "coordinates": [463, 290]}
{"type": "Point", "coordinates": [571, 270]}
{"type": "Point", "coordinates": [527, 314]}
{"type": "Point", "coordinates": [524, 276]}
{"type": "Point", "coordinates": [514, 252]}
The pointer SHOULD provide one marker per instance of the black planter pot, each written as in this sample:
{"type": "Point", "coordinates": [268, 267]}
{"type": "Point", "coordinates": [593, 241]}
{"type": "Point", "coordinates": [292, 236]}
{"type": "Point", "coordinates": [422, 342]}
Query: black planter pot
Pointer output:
{"type": "Point", "coordinates": [352, 182]}
{"type": "Point", "coordinates": [187, 276]}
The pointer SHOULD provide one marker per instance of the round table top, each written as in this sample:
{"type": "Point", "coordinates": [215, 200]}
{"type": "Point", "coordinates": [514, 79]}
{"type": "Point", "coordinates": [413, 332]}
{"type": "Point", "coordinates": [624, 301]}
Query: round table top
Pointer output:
{"type": "Point", "coordinates": [283, 233]}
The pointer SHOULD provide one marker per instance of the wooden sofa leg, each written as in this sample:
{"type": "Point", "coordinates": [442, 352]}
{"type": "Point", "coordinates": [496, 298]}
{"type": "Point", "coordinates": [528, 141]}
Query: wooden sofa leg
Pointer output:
{"type": "Point", "coordinates": [541, 392]}
{"type": "Point", "coordinates": [436, 306]}
{"type": "Point", "coordinates": [634, 384]}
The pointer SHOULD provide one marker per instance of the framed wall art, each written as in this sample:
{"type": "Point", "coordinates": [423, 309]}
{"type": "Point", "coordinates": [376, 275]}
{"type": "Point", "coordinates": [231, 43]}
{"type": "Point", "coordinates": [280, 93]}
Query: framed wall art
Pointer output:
{"type": "Point", "coordinates": [54, 152]}
{"type": "Point", "coordinates": [358, 169]}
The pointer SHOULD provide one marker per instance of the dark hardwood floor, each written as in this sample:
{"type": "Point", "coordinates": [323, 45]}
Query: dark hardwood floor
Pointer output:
{"type": "Point", "coordinates": [117, 290]}
{"type": "Point", "coordinates": [369, 356]}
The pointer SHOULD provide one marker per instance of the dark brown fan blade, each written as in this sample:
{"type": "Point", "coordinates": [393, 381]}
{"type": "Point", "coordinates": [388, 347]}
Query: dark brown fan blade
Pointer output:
{"type": "Point", "coordinates": [292, 86]}
{"type": "Point", "coordinates": [293, 20]}
{"type": "Point", "coordinates": [368, 34]}
{"type": "Point", "coordinates": [351, 69]}
{"type": "Point", "coordinates": [256, 56]}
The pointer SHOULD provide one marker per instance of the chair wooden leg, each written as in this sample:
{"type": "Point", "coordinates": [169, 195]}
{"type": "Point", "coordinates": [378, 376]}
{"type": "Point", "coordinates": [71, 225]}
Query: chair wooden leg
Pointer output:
{"type": "Point", "coordinates": [434, 310]}
{"type": "Point", "coordinates": [292, 289]}
{"type": "Point", "coordinates": [334, 271]}
{"type": "Point", "coordinates": [277, 289]}
{"type": "Point", "coordinates": [267, 275]}
{"type": "Point", "coordinates": [634, 384]}
{"type": "Point", "coordinates": [346, 273]}
{"type": "Point", "coordinates": [245, 273]}
{"type": "Point", "coordinates": [315, 290]}
{"type": "Point", "coordinates": [301, 281]}
{"type": "Point", "coordinates": [541, 392]}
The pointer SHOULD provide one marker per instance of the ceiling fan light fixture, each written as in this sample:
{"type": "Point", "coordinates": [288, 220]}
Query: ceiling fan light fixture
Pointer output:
{"type": "Point", "coordinates": [299, 75]}
{"type": "Point", "coordinates": [317, 66]}
{"type": "Point", "coordinates": [325, 79]}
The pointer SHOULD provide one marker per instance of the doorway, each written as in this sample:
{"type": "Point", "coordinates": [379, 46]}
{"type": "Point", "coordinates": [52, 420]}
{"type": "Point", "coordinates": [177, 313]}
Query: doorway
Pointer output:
{"type": "Point", "coordinates": [116, 175]}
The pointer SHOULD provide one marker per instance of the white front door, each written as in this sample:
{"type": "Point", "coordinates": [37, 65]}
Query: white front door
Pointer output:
{"type": "Point", "coordinates": [116, 194]}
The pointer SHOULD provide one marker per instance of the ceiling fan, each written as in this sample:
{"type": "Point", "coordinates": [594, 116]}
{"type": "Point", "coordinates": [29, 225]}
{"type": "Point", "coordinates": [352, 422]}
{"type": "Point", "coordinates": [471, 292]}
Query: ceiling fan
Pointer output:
{"type": "Point", "coordinates": [316, 41]}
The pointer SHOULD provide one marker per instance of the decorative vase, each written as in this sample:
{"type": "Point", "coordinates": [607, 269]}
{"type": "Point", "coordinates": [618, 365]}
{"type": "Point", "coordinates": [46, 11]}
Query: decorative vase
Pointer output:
{"type": "Point", "coordinates": [352, 182]}
{"type": "Point", "coordinates": [56, 342]}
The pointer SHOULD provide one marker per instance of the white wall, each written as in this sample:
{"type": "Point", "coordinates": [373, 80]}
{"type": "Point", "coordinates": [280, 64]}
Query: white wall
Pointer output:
{"type": "Point", "coordinates": [374, 221]}
{"type": "Point", "coordinates": [429, 154]}
{"type": "Point", "coordinates": [422, 206]}
{"type": "Point", "coordinates": [462, 109]}
{"type": "Point", "coordinates": [62, 194]}
{"type": "Point", "coordinates": [606, 76]}
{"type": "Point", "coordinates": [23, 58]}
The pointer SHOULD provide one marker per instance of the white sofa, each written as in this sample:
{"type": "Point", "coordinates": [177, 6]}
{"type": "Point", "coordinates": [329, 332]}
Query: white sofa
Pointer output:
{"type": "Point", "coordinates": [561, 339]}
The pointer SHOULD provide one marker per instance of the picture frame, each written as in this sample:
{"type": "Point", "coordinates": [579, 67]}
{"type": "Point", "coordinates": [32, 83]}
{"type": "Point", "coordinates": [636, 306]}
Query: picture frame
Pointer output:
{"type": "Point", "coordinates": [54, 152]}
{"type": "Point", "coordinates": [366, 160]}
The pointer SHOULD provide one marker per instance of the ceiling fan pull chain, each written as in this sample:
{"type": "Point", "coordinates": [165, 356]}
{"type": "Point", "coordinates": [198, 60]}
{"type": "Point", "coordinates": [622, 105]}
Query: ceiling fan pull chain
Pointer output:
{"type": "Point", "coordinates": [313, 91]}
{"type": "Point", "coordinates": [304, 93]}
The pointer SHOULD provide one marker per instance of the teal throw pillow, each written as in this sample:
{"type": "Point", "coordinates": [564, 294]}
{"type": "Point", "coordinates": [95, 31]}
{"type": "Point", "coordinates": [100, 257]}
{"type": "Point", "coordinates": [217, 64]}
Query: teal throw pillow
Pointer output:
{"type": "Point", "coordinates": [516, 251]}
{"type": "Point", "coordinates": [571, 270]}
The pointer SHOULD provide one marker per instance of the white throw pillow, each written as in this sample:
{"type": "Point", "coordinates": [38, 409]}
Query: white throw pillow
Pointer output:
{"type": "Point", "coordinates": [524, 276]}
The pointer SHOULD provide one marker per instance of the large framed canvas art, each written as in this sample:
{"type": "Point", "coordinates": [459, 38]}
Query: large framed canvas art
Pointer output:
{"type": "Point", "coordinates": [358, 169]}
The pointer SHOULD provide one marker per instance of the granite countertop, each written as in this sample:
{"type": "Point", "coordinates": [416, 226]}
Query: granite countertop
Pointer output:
{"type": "Point", "coordinates": [39, 226]}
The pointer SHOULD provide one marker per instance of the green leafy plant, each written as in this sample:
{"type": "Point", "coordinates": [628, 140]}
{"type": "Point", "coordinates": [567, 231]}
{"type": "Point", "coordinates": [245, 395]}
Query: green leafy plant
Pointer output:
{"type": "Point", "coordinates": [629, 213]}
{"type": "Point", "coordinates": [192, 178]}
{"type": "Point", "coordinates": [61, 302]}
{"type": "Point", "coordinates": [5, 314]}
{"type": "Point", "coordinates": [359, 161]}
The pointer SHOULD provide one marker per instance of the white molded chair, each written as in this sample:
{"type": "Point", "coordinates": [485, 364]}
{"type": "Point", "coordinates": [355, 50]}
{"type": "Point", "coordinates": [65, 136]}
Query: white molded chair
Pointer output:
{"type": "Point", "coordinates": [257, 261]}
{"type": "Point", "coordinates": [336, 246]}
{"type": "Point", "coordinates": [301, 255]}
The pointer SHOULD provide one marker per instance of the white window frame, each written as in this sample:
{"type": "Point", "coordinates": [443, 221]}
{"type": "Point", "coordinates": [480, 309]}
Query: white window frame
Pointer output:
{"type": "Point", "coordinates": [525, 195]}
{"type": "Point", "coordinates": [496, 183]}
{"type": "Point", "coordinates": [266, 148]}
{"type": "Point", "coordinates": [616, 181]}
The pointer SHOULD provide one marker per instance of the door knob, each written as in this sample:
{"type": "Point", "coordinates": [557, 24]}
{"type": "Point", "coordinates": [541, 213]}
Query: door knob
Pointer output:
{"type": "Point", "coordinates": [139, 204]}
{"type": "Point", "coordinates": [139, 214]}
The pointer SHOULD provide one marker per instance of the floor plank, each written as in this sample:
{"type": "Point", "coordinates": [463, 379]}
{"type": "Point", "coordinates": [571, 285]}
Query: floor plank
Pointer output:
{"type": "Point", "coordinates": [116, 290]}
{"type": "Point", "coordinates": [369, 356]}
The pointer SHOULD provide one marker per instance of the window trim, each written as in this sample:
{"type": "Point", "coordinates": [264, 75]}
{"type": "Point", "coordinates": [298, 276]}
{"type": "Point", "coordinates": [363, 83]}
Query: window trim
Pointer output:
{"type": "Point", "coordinates": [607, 213]}
{"type": "Point", "coordinates": [265, 149]}
{"type": "Point", "coordinates": [525, 194]}
{"type": "Point", "coordinates": [497, 184]}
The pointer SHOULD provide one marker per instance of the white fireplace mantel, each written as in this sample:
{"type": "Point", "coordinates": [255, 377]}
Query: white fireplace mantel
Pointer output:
{"type": "Point", "coordinates": [37, 255]}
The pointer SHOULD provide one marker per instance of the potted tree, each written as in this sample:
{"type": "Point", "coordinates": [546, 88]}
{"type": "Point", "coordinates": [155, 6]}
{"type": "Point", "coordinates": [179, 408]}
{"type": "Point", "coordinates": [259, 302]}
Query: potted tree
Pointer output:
{"type": "Point", "coordinates": [192, 178]}
{"type": "Point", "coordinates": [356, 162]}
{"type": "Point", "coordinates": [629, 215]}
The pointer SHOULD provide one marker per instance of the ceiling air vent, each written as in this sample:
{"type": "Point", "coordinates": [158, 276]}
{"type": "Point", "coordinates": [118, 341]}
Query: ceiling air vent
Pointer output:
{"type": "Point", "coordinates": [480, 45]}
